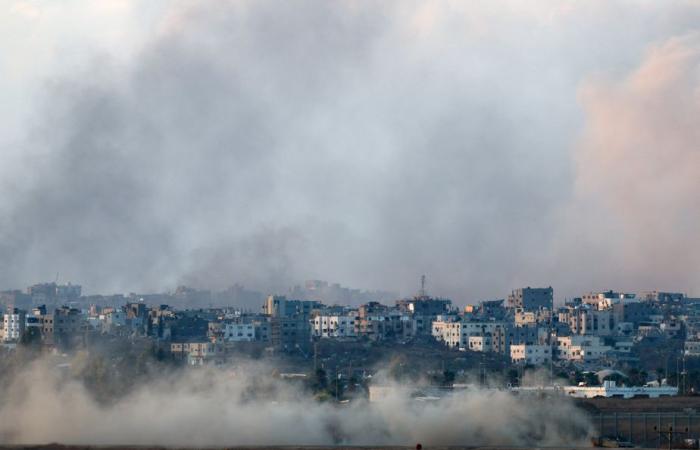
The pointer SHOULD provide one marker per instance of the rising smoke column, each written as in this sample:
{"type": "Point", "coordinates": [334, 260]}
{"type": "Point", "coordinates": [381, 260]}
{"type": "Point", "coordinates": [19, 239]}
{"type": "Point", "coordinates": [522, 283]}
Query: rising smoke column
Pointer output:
{"type": "Point", "coordinates": [638, 173]}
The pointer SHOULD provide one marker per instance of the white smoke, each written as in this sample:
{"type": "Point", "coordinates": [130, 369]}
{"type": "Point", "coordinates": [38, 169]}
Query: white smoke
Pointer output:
{"type": "Point", "coordinates": [203, 408]}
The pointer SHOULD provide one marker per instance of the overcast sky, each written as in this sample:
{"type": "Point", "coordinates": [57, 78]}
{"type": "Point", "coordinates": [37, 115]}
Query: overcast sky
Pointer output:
{"type": "Point", "coordinates": [488, 145]}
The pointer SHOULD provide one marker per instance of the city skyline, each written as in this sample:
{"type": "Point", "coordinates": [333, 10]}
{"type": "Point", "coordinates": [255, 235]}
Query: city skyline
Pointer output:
{"type": "Point", "coordinates": [333, 292]}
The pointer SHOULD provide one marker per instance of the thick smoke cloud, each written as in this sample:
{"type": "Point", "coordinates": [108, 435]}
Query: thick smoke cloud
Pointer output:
{"type": "Point", "coordinates": [267, 143]}
{"type": "Point", "coordinates": [638, 181]}
{"type": "Point", "coordinates": [221, 408]}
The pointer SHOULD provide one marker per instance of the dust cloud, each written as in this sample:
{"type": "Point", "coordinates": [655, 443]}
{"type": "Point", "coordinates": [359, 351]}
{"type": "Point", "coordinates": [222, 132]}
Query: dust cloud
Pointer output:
{"type": "Point", "coordinates": [247, 406]}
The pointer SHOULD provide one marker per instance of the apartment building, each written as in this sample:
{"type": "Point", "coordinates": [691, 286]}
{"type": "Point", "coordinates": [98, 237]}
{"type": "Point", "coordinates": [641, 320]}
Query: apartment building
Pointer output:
{"type": "Point", "coordinates": [530, 354]}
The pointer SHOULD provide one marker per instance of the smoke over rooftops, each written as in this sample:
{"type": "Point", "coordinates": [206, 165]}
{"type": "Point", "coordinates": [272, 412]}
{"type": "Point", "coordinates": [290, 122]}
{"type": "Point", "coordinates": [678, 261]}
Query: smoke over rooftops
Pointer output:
{"type": "Point", "coordinates": [267, 143]}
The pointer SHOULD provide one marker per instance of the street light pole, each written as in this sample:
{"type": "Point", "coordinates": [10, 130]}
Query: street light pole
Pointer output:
{"type": "Point", "coordinates": [685, 374]}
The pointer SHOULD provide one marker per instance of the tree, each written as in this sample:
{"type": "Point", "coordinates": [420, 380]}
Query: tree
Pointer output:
{"type": "Point", "coordinates": [31, 339]}
{"type": "Point", "coordinates": [659, 374]}
{"type": "Point", "coordinates": [337, 387]}
{"type": "Point", "coordinates": [448, 377]}
{"type": "Point", "coordinates": [355, 384]}
{"type": "Point", "coordinates": [590, 378]}
{"type": "Point", "coordinates": [563, 375]}
{"type": "Point", "coordinates": [513, 377]}
{"type": "Point", "coordinates": [637, 377]}
{"type": "Point", "coordinates": [320, 382]}
{"type": "Point", "coordinates": [693, 381]}
{"type": "Point", "coordinates": [617, 378]}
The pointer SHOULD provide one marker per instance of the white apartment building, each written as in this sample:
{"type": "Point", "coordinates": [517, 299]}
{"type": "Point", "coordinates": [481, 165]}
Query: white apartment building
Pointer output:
{"type": "Point", "coordinates": [197, 353]}
{"type": "Point", "coordinates": [333, 326]}
{"type": "Point", "coordinates": [581, 348]}
{"type": "Point", "coordinates": [238, 332]}
{"type": "Point", "coordinates": [530, 354]}
{"type": "Point", "coordinates": [479, 343]}
{"type": "Point", "coordinates": [456, 333]}
{"type": "Point", "coordinates": [112, 320]}
{"type": "Point", "coordinates": [623, 346]}
{"type": "Point", "coordinates": [13, 325]}
{"type": "Point", "coordinates": [525, 318]}
{"type": "Point", "coordinates": [448, 332]}
{"type": "Point", "coordinates": [605, 300]}
{"type": "Point", "coordinates": [671, 328]}
{"type": "Point", "coordinates": [480, 328]}
{"type": "Point", "coordinates": [692, 348]}
{"type": "Point", "coordinates": [586, 320]}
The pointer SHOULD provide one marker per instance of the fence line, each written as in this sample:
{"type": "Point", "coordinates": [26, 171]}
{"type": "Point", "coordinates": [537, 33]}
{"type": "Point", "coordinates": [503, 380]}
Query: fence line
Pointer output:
{"type": "Point", "coordinates": [638, 427]}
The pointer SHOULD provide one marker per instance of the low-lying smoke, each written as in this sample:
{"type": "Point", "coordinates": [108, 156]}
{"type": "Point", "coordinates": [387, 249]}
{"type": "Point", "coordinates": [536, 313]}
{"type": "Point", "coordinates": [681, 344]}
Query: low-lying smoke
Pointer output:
{"type": "Point", "coordinates": [244, 406]}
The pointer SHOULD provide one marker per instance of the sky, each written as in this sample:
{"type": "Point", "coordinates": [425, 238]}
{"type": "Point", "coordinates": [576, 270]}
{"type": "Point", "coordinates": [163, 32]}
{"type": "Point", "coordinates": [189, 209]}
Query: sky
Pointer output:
{"type": "Point", "coordinates": [488, 145]}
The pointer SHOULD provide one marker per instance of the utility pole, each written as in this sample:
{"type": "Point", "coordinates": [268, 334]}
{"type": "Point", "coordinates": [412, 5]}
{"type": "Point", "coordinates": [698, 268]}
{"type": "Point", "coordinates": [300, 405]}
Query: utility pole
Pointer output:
{"type": "Point", "coordinates": [551, 366]}
{"type": "Point", "coordinates": [668, 434]}
{"type": "Point", "coordinates": [482, 371]}
{"type": "Point", "coordinates": [685, 374]}
{"type": "Point", "coordinates": [337, 377]}
{"type": "Point", "coordinates": [551, 350]}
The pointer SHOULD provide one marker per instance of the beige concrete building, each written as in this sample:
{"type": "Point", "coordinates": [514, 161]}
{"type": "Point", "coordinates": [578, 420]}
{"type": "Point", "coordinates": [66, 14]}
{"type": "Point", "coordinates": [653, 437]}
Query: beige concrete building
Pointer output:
{"type": "Point", "coordinates": [530, 354]}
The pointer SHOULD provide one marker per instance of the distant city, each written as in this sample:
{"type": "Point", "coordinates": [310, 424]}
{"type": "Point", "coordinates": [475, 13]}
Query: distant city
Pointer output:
{"type": "Point", "coordinates": [599, 344]}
